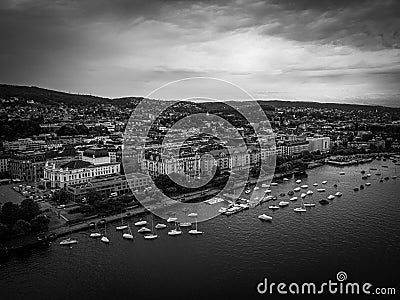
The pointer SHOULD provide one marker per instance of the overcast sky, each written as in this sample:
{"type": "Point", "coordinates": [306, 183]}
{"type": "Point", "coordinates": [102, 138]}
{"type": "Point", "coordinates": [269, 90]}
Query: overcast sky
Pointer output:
{"type": "Point", "coordinates": [332, 51]}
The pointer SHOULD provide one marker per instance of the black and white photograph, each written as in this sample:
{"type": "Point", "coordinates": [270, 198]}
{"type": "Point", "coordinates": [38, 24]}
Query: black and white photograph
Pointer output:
{"type": "Point", "coordinates": [199, 149]}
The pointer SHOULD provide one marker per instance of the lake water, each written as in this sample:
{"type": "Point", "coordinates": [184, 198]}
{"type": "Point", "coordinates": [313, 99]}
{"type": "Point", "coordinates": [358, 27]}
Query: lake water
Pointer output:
{"type": "Point", "coordinates": [358, 233]}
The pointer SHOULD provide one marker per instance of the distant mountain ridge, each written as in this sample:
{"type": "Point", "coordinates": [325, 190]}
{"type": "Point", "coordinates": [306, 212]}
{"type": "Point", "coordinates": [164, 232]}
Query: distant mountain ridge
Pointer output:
{"type": "Point", "coordinates": [52, 97]}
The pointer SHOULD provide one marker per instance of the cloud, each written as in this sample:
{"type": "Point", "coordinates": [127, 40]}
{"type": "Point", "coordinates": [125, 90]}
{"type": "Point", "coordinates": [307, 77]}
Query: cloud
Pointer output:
{"type": "Point", "coordinates": [300, 49]}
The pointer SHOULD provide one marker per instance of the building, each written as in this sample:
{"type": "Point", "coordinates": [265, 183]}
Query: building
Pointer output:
{"type": "Point", "coordinates": [4, 163]}
{"type": "Point", "coordinates": [293, 148]}
{"type": "Point", "coordinates": [108, 184]}
{"type": "Point", "coordinates": [27, 166]}
{"type": "Point", "coordinates": [25, 145]}
{"type": "Point", "coordinates": [322, 144]}
{"type": "Point", "coordinates": [95, 162]}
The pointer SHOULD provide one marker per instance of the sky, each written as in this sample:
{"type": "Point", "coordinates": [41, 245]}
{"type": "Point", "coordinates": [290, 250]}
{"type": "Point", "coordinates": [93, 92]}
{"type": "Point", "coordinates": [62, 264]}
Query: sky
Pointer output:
{"type": "Point", "coordinates": [326, 51]}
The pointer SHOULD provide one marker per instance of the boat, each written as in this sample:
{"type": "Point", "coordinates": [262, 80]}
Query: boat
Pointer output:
{"type": "Point", "coordinates": [356, 189]}
{"type": "Point", "coordinates": [264, 185]}
{"type": "Point", "coordinates": [303, 195]}
{"type": "Point", "coordinates": [315, 184]}
{"type": "Point", "coordinates": [364, 177]}
{"type": "Point", "coordinates": [320, 190]}
{"type": "Point", "coordinates": [298, 181]}
{"type": "Point", "coordinates": [268, 191]}
{"type": "Point", "coordinates": [274, 198]}
{"type": "Point", "coordinates": [301, 208]}
{"type": "Point", "coordinates": [151, 235]}
{"type": "Point", "coordinates": [95, 234]}
{"type": "Point", "coordinates": [368, 183]}
{"type": "Point", "coordinates": [331, 197]}
{"type": "Point", "coordinates": [264, 217]}
{"type": "Point", "coordinates": [385, 166]}
{"type": "Point", "coordinates": [283, 203]}
{"type": "Point", "coordinates": [293, 199]}
{"type": "Point", "coordinates": [175, 231]}
{"type": "Point", "coordinates": [394, 176]}
{"type": "Point", "coordinates": [296, 189]}
{"type": "Point", "coordinates": [274, 184]}
{"type": "Point", "coordinates": [195, 231]}
{"type": "Point", "coordinates": [247, 191]}
{"type": "Point", "coordinates": [104, 238]}
{"type": "Point", "coordinates": [285, 179]}
{"type": "Point", "coordinates": [128, 236]}
{"type": "Point", "coordinates": [368, 175]}
{"type": "Point", "coordinates": [68, 242]}
{"type": "Point", "coordinates": [273, 207]}
{"type": "Point", "coordinates": [323, 201]}
{"type": "Point", "coordinates": [335, 185]}
{"type": "Point", "coordinates": [192, 215]}
{"type": "Point", "coordinates": [141, 223]}
{"type": "Point", "coordinates": [309, 204]}
{"type": "Point", "coordinates": [378, 174]}
{"type": "Point", "coordinates": [324, 182]}
{"type": "Point", "coordinates": [304, 186]}
{"type": "Point", "coordinates": [172, 219]}
{"type": "Point", "coordinates": [386, 178]}
{"type": "Point", "coordinates": [362, 172]}
{"type": "Point", "coordinates": [309, 192]}
{"type": "Point", "coordinates": [161, 226]}
{"type": "Point", "coordinates": [122, 227]}
{"type": "Point", "coordinates": [144, 230]}
{"type": "Point", "coordinates": [361, 187]}
{"type": "Point", "coordinates": [185, 224]}
{"type": "Point", "coordinates": [282, 194]}
{"type": "Point", "coordinates": [290, 193]}
{"type": "Point", "coordinates": [338, 194]}
{"type": "Point", "coordinates": [341, 173]}
{"type": "Point", "coordinates": [373, 168]}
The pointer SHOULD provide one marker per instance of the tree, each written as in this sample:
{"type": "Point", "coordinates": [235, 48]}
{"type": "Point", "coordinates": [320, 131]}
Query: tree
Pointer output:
{"type": "Point", "coordinates": [40, 223]}
{"type": "Point", "coordinates": [29, 209]}
{"type": "Point", "coordinates": [3, 231]}
{"type": "Point", "coordinates": [10, 213]}
{"type": "Point", "coordinates": [21, 227]}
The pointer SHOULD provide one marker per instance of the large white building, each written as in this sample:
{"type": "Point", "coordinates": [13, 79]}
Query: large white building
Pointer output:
{"type": "Point", "coordinates": [322, 144]}
{"type": "Point", "coordinates": [95, 162]}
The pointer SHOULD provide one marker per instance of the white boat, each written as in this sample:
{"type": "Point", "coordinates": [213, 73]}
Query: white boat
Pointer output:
{"type": "Point", "coordinates": [331, 197]}
{"type": "Point", "coordinates": [256, 188]}
{"type": "Point", "coordinates": [68, 242]}
{"type": "Point", "coordinates": [128, 236]}
{"type": "Point", "coordinates": [304, 186]}
{"type": "Point", "coordinates": [368, 183]}
{"type": "Point", "coordinates": [283, 203]}
{"type": "Point", "coordinates": [247, 191]}
{"type": "Point", "coordinates": [264, 185]}
{"type": "Point", "coordinates": [268, 191]}
{"type": "Point", "coordinates": [264, 217]}
{"type": "Point", "coordinates": [320, 190]}
{"type": "Point", "coordinates": [324, 182]}
{"type": "Point", "coordinates": [195, 231]}
{"type": "Point", "coordinates": [274, 184]}
{"type": "Point", "coordinates": [141, 223]}
{"type": "Point", "coordinates": [160, 226]}
{"type": "Point", "coordinates": [285, 179]}
{"type": "Point", "coordinates": [293, 199]}
{"type": "Point", "coordinates": [296, 189]}
{"type": "Point", "coordinates": [172, 219]}
{"type": "Point", "coordinates": [95, 235]}
{"type": "Point", "coordinates": [341, 173]}
{"type": "Point", "coordinates": [338, 194]}
{"type": "Point", "coordinates": [122, 226]}
{"type": "Point", "coordinates": [309, 204]}
{"type": "Point", "coordinates": [368, 175]}
{"type": "Point", "coordinates": [185, 224]}
{"type": "Point", "coordinates": [394, 176]}
{"type": "Point", "coordinates": [273, 207]}
{"type": "Point", "coordinates": [300, 209]}
{"type": "Point", "coordinates": [193, 215]}
{"type": "Point", "coordinates": [315, 184]}
{"type": "Point", "coordinates": [151, 236]}
{"type": "Point", "coordinates": [144, 230]}
{"type": "Point", "coordinates": [310, 192]}
{"type": "Point", "coordinates": [303, 195]}
{"type": "Point", "coordinates": [298, 181]}
{"type": "Point", "coordinates": [104, 238]}
{"type": "Point", "coordinates": [175, 231]}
